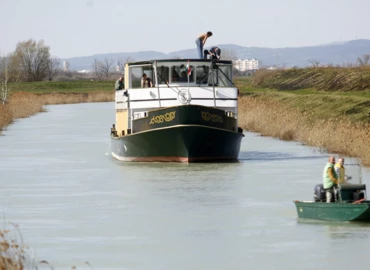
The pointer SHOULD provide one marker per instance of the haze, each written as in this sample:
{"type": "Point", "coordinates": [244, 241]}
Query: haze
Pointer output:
{"type": "Point", "coordinates": [80, 28]}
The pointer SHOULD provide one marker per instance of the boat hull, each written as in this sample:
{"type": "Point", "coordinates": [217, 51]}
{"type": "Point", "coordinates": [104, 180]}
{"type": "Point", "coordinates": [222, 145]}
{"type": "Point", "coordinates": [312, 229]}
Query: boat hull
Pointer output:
{"type": "Point", "coordinates": [334, 211]}
{"type": "Point", "coordinates": [179, 143]}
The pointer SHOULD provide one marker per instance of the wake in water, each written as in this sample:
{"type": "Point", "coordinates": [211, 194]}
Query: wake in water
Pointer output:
{"type": "Point", "coordinates": [109, 149]}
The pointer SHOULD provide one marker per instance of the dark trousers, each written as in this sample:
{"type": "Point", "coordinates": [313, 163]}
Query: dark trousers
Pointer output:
{"type": "Point", "coordinates": [206, 52]}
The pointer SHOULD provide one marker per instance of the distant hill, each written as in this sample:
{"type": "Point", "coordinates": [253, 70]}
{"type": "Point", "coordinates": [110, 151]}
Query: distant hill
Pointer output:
{"type": "Point", "coordinates": [338, 53]}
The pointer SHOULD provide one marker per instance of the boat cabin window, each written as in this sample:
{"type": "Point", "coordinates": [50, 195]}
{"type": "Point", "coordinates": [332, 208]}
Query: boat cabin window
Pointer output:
{"type": "Point", "coordinates": [163, 74]}
{"type": "Point", "coordinates": [180, 74]}
{"type": "Point", "coordinates": [201, 74]}
{"type": "Point", "coordinates": [136, 74]}
{"type": "Point", "coordinates": [221, 76]}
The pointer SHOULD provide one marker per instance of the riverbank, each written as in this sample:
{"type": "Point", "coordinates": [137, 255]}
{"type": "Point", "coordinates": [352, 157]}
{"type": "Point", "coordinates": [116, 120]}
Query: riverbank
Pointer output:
{"type": "Point", "coordinates": [334, 121]}
{"type": "Point", "coordinates": [25, 104]}
{"type": "Point", "coordinates": [29, 98]}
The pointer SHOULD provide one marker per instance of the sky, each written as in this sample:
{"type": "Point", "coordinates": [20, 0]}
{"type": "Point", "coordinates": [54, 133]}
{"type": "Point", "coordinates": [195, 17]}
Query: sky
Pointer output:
{"type": "Point", "coordinates": [73, 28]}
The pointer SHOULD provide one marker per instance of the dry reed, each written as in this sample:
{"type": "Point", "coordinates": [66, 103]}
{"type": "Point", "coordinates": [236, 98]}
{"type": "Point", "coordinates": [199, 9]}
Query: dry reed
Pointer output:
{"type": "Point", "coordinates": [271, 118]}
{"type": "Point", "coordinates": [14, 254]}
{"type": "Point", "coordinates": [23, 104]}
{"type": "Point", "coordinates": [6, 117]}
{"type": "Point", "coordinates": [69, 98]}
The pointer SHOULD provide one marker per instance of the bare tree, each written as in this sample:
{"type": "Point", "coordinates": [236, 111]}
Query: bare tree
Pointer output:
{"type": "Point", "coordinates": [314, 62]}
{"type": "Point", "coordinates": [95, 68]}
{"type": "Point", "coordinates": [53, 68]}
{"type": "Point", "coordinates": [104, 68]}
{"type": "Point", "coordinates": [33, 58]}
{"type": "Point", "coordinates": [8, 73]}
{"type": "Point", "coordinates": [364, 61]}
{"type": "Point", "coordinates": [122, 62]}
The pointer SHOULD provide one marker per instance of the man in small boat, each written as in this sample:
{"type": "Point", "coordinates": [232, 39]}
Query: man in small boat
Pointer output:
{"type": "Point", "coordinates": [340, 170]}
{"type": "Point", "coordinates": [330, 180]}
{"type": "Point", "coordinates": [146, 81]}
{"type": "Point", "coordinates": [214, 52]}
{"type": "Point", "coordinates": [200, 41]}
{"type": "Point", "coordinates": [119, 84]}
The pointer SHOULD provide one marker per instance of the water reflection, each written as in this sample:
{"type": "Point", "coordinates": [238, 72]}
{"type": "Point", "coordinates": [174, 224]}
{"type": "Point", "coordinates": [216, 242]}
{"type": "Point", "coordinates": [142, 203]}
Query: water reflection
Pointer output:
{"type": "Point", "coordinates": [274, 156]}
{"type": "Point", "coordinates": [339, 230]}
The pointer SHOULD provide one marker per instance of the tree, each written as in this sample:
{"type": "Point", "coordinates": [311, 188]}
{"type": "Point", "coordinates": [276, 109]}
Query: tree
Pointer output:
{"type": "Point", "coordinates": [8, 73]}
{"type": "Point", "coordinates": [314, 62]}
{"type": "Point", "coordinates": [103, 68]}
{"type": "Point", "coordinates": [364, 61]}
{"type": "Point", "coordinates": [53, 68]}
{"type": "Point", "coordinates": [34, 59]}
{"type": "Point", "coordinates": [122, 62]}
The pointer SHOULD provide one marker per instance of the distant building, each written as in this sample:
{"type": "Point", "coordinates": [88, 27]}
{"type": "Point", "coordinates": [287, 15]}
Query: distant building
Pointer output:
{"type": "Point", "coordinates": [118, 68]}
{"type": "Point", "coordinates": [66, 66]}
{"type": "Point", "coordinates": [84, 71]}
{"type": "Point", "coordinates": [246, 64]}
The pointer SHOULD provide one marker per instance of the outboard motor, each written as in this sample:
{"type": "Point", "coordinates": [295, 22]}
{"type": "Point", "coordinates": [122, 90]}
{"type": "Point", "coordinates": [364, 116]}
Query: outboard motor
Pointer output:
{"type": "Point", "coordinates": [319, 193]}
{"type": "Point", "coordinates": [359, 195]}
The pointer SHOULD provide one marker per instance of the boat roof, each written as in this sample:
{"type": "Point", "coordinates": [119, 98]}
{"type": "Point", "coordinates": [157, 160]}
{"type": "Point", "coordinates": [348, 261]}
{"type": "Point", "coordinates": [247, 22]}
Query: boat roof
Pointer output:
{"type": "Point", "coordinates": [150, 62]}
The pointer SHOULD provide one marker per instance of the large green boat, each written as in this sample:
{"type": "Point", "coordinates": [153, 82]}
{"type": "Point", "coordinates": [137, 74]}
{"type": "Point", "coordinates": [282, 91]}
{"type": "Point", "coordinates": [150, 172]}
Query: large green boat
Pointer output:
{"type": "Point", "coordinates": [187, 114]}
{"type": "Point", "coordinates": [351, 205]}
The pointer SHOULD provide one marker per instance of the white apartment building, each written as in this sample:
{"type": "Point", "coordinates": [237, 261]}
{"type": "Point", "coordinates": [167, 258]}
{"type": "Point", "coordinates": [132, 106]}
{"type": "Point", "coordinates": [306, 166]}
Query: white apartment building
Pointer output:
{"type": "Point", "coordinates": [65, 66]}
{"type": "Point", "coordinates": [246, 64]}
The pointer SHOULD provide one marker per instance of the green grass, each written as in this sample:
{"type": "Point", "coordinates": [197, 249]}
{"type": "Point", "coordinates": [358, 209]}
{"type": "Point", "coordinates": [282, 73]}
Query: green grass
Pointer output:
{"type": "Point", "coordinates": [63, 87]}
{"type": "Point", "coordinates": [318, 104]}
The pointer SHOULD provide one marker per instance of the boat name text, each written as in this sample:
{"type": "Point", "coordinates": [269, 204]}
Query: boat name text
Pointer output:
{"type": "Point", "coordinates": [164, 117]}
{"type": "Point", "coordinates": [211, 117]}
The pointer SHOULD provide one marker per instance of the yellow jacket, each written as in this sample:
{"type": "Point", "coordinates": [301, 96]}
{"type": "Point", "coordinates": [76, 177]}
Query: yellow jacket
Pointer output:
{"type": "Point", "coordinates": [340, 172]}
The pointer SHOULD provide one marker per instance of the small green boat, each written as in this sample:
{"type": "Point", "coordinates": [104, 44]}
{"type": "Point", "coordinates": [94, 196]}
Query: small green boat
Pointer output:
{"type": "Point", "coordinates": [351, 205]}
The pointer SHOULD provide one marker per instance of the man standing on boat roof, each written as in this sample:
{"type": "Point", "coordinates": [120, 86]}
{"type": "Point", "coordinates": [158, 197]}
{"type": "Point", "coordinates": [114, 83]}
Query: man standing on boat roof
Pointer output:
{"type": "Point", "coordinates": [330, 180]}
{"type": "Point", "coordinates": [119, 84]}
{"type": "Point", "coordinates": [200, 41]}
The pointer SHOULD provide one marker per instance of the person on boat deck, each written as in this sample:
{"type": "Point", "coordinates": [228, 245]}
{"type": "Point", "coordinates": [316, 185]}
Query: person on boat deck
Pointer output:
{"type": "Point", "coordinates": [330, 180]}
{"type": "Point", "coordinates": [119, 84]}
{"type": "Point", "coordinates": [146, 81]}
{"type": "Point", "coordinates": [214, 52]}
{"type": "Point", "coordinates": [200, 41]}
{"type": "Point", "coordinates": [340, 170]}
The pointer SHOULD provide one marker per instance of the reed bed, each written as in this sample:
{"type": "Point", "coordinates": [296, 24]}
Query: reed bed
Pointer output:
{"type": "Point", "coordinates": [14, 254]}
{"type": "Point", "coordinates": [320, 78]}
{"type": "Point", "coordinates": [70, 98]}
{"type": "Point", "coordinates": [6, 117]}
{"type": "Point", "coordinates": [23, 104]}
{"type": "Point", "coordinates": [20, 105]}
{"type": "Point", "coordinates": [270, 117]}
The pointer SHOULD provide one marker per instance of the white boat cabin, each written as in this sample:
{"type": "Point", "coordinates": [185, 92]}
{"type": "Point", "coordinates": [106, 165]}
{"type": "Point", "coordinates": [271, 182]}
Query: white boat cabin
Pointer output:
{"type": "Point", "coordinates": [175, 82]}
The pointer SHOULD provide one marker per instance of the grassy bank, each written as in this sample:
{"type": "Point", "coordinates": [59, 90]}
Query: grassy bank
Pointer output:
{"type": "Point", "coordinates": [337, 121]}
{"type": "Point", "coordinates": [320, 78]}
{"type": "Point", "coordinates": [64, 87]}
{"type": "Point", "coordinates": [289, 105]}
